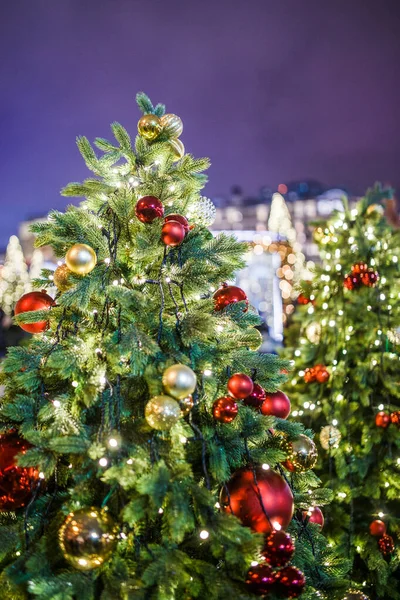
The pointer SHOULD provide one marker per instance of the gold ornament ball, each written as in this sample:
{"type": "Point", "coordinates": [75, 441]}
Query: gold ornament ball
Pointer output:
{"type": "Point", "coordinates": [256, 340]}
{"type": "Point", "coordinates": [375, 210]}
{"type": "Point", "coordinates": [87, 538]}
{"type": "Point", "coordinates": [186, 405]}
{"type": "Point", "coordinates": [149, 127]}
{"type": "Point", "coordinates": [81, 259]}
{"type": "Point", "coordinates": [179, 381]}
{"type": "Point", "coordinates": [178, 148]}
{"type": "Point", "coordinates": [60, 278]}
{"type": "Point", "coordinates": [330, 437]}
{"type": "Point", "coordinates": [302, 454]}
{"type": "Point", "coordinates": [318, 234]}
{"type": "Point", "coordinates": [172, 125]}
{"type": "Point", "coordinates": [162, 412]}
{"type": "Point", "coordinates": [313, 332]}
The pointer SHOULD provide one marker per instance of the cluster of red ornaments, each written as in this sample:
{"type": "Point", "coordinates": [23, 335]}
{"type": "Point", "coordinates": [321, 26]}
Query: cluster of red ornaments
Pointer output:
{"type": "Point", "coordinates": [361, 275]}
{"type": "Point", "coordinates": [318, 373]}
{"type": "Point", "coordinates": [264, 578]}
{"type": "Point", "coordinates": [383, 419]}
{"type": "Point", "coordinates": [304, 300]}
{"type": "Point", "coordinates": [385, 541]}
{"type": "Point", "coordinates": [242, 387]}
{"type": "Point", "coordinates": [175, 226]}
{"type": "Point", "coordinates": [16, 483]}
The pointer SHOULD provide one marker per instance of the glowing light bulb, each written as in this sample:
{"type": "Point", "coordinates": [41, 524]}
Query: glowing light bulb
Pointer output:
{"type": "Point", "coordinates": [75, 384]}
{"type": "Point", "coordinates": [204, 534]}
{"type": "Point", "coordinates": [56, 403]}
{"type": "Point", "coordinates": [103, 462]}
{"type": "Point", "coordinates": [207, 372]}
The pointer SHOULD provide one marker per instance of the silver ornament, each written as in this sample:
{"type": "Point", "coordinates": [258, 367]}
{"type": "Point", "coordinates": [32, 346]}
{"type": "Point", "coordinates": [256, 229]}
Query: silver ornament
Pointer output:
{"type": "Point", "coordinates": [203, 212]}
{"type": "Point", "coordinates": [330, 437]}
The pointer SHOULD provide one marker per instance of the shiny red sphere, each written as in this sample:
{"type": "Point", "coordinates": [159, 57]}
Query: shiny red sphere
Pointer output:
{"type": "Point", "coordinates": [260, 579]}
{"type": "Point", "coordinates": [34, 301]}
{"type": "Point", "coordinates": [291, 582]}
{"type": "Point", "coordinates": [316, 516]}
{"type": "Point", "coordinates": [276, 404]}
{"type": "Point", "coordinates": [395, 418]}
{"type": "Point", "coordinates": [359, 267]}
{"type": "Point", "coordinates": [377, 528]}
{"type": "Point", "coordinates": [352, 282]}
{"type": "Point", "coordinates": [309, 375]}
{"type": "Point", "coordinates": [16, 483]}
{"type": "Point", "coordinates": [225, 410]}
{"type": "Point", "coordinates": [322, 375]}
{"type": "Point", "coordinates": [240, 386]}
{"type": "Point", "coordinates": [149, 208]}
{"type": "Point", "coordinates": [229, 294]}
{"type": "Point", "coordinates": [181, 219]}
{"type": "Point", "coordinates": [256, 398]}
{"type": "Point", "coordinates": [302, 299]}
{"type": "Point", "coordinates": [173, 233]}
{"type": "Point", "coordinates": [278, 548]}
{"type": "Point", "coordinates": [241, 497]}
{"type": "Point", "coordinates": [370, 278]}
{"type": "Point", "coordinates": [386, 545]}
{"type": "Point", "coordinates": [382, 419]}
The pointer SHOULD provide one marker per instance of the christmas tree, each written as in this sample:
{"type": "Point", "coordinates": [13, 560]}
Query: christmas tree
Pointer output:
{"type": "Point", "coordinates": [142, 432]}
{"type": "Point", "coordinates": [14, 278]}
{"type": "Point", "coordinates": [346, 385]}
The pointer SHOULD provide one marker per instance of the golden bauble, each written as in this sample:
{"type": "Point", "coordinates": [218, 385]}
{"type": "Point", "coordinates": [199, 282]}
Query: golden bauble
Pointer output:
{"type": "Point", "coordinates": [179, 381]}
{"type": "Point", "coordinates": [149, 127]}
{"type": "Point", "coordinates": [330, 437]}
{"type": "Point", "coordinates": [172, 125]}
{"type": "Point", "coordinates": [375, 210]}
{"type": "Point", "coordinates": [81, 259]}
{"type": "Point", "coordinates": [318, 234]}
{"type": "Point", "coordinates": [186, 405]}
{"type": "Point", "coordinates": [162, 412]}
{"type": "Point", "coordinates": [256, 340]}
{"type": "Point", "coordinates": [302, 454]}
{"type": "Point", "coordinates": [60, 278]}
{"type": "Point", "coordinates": [178, 148]}
{"type": "Point", "coordinates": [87, 538]}
{"type": "Point", "coordinates": [313, 332]}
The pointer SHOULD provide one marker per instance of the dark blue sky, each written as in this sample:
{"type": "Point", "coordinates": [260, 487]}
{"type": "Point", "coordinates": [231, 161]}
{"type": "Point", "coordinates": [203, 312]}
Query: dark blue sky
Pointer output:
{"type": "Point", "coordinates": [271, 91]}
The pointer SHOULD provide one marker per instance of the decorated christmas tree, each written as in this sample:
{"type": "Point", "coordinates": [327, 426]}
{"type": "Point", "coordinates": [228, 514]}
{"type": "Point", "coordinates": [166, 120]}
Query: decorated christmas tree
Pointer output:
{"type": "Point", "coordinates": [346, 385]}
{"type": "Point", "coordinates": [142, 433]}
{"type": "Point", "coordinates": [14, 277]}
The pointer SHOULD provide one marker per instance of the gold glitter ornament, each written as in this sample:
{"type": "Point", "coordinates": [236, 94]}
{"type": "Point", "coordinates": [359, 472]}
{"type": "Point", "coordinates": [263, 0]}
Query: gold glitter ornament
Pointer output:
{"type": "Point", "coordinates": [81, 259]}
{"type": "Point", "coordinates": [149, 127]}
{"type": "Point", "coordinates": [330, 437]}
{"type": "Point", "coordinates": [179, 381]}
{"type": "Point", "coordinates": [60, 278]}
{"type": "Point", "coordinates": [302, 454]}
{"type": "Point", "coordinates": [313, 332]}
{"type": "Point", "coordinates": [162, 412]}
{"type": "Point", "coordinates": [177, 148]}
{"type": "Point", "coordinates": [172, 125]}
{"type": "Point", "coordinates": [186, 405]}
{"type": "Point", "coordinates": [88, 538]}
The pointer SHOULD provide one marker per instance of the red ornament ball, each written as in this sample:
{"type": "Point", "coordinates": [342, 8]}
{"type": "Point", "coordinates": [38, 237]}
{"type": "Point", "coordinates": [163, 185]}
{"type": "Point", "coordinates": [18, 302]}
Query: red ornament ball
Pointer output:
{"type": "Point", "coordinates": [314, 515]}
{"type": "Point", "coordinates": [395, 418]}
{"type": "Point", "coordinates": [278, 549]}
{"type": "Point", "coordinates": [276, 404]}
{"type": "Point", "coordinates": [359, 268]}
{"type": "Point", "coordinates": [34, 301]}
{"type": "Point", "coordinates": [291, 582]}
{"type": "Point", "coordinates": [386, 545]}
{"type": "Point", "coordinates": [240, 386]}
{"type": "Point", "coordinates": [262, 499]}
{"type": "Point", "coordinates": [172, 233]}
{"type": "Point", "coordinates": [377, 528]}
{"type": "Point", "coordinates": [352, 282]}
{"type": "Point", "coordinates": [382, 419]}
{"type": "Point", "coordinates": [256, 398]}
{"type": "Point", "coordinates": [16, 483]}
{"type": "Point", "coordinates": [260, 579]}
{"type": "Point", "coordinates": [321, 374]}
{"type": "Point", "coordinates": [225, 410]}
{"type": "Point", "coordinates": [229, 294]}
{"type": "Point", "coordinates": [370, 278]}
{"type": "Point", "coordinates": [148, 209]}
{"type": "Point", "coordinates": [302, 299]}
{"type": "Point", "coordinates": [180, 218]}
{"type": "Point", "coordinates": [309, 375]}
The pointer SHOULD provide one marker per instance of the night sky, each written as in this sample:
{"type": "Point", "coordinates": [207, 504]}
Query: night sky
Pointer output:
{"type": "Point", "coordinates": [270, 90]}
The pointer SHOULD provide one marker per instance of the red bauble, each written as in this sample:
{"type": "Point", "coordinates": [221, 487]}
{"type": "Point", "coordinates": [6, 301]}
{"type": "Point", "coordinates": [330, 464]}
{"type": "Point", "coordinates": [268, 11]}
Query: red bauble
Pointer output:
{"type": "Point", "coordinates": [149, 208]}
{"type": "Point", "coordinates": [260, 579]}
{"type": "Point", "coordinates": [16, 483]}
{"type": "Point", "coordinates": [352, 282]}
{"type": "Point", "coordinates": [359, 268]}
{"type": "Point", "coordinates": [370, 278]}
{"type": "Point", "coordinates": [382, 419]}
{"type": "Point", "coordinates": [386, 545]}
{"type": "Point", "coordinates": [395, 418]}
{"type": "Point", "coordinates": [257, 397]}
{"type": "Point", "coordinates": [302, 299]}
{"type": "Point", "coordinates": [172, 233]}
{"type": "Point", "coordinates": [229, 294]}
{"type": "Point", "coordinates": [291, 582]}
{"type": "Point", "coordinates": [278, 548]}
{"type": "Point", "coordinates": [180, 218]}
{"type": "Point", "coordinates": [377, 528]}
{"type": "Point", "coordinates": [241, 497]}
{"type": "Point", "coordinates": [309, 375]}
{"type": "Point", "coordinates": [34, 301]}
{"type": "Point", "coordinates": [322, 374]}
{"type": "Point", "coordinates": [276, 404]}
{"type": "Point", "coordinates": [240, 386]}
{"type": "Point", "coordinates": [225, 410]}
{"type": "Point", "coordinates": [314, 515]}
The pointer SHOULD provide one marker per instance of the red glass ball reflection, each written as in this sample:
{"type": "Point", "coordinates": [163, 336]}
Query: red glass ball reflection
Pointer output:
{"type": "Point", "coordinates": [370, 278]}
{"type": "Point", "coordinates": [382, 419]}
{"type": "Point", "coordinates": [173, 233]}
{"type": "Point", "coordinates": [34, 301]}
{"type": "Point", "coordinates": [276, 404]}
{"type": "Point", "coordinates": [260, 579]}
{"type": "Point", "coordinates": [240, 385]}
{"type": "Point", "coordinates": [256, 398]}
{"type": "Point", "coordinates": [180, 219]}
{"type": "Point", "coordinates": [225, 410]}
{"type": "Point", "coordinates": [241, 497]}
{"type": "Point", "coordinates": [16, 483]}
{"type": "Point", "coordinates": [148, 209]}
{"type": "Point", "coordinates": [229, 294]}
{"type": "Point", "coordinates": [377, 528]}
{"type": "Point", "coordinates": [278, 549]}
{"type": "Point", "coordinates": [291, 582]}
{"type": "Point", "coordinates": [314, 515]}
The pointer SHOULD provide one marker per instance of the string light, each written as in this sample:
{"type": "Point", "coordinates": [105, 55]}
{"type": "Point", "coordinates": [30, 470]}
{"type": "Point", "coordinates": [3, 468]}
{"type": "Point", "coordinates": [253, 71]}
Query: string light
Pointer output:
{"type": "Point", "coordinates": [75, 384]}
{"type": "Point", "coordinates": [381, 407]}
{"type": "Point", "coordinates": [204, 534]}
{"type": "Point", "coordinates": [56, 403]}
{"type": "Point", "coordinates": [113, 443]}
{"type": "Point", "coordinates": [276, 525]}
{"type": "Point", "coordinates": [207, 372]}
{"type": "Point", "coordinates": [381, 515]}
{"type": "Point", "coordinates": [217, 505]}
{"type": "Point", "coordinates": [129, 461]}
{"type": "Point", "coordinates": [41, 475]}
{"type": "Point", "coordinates": [103, 462]}
{"type": "Point", "coordinates": [160, 511]}
{"type": "Point", "coordinates": [266, 467]}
